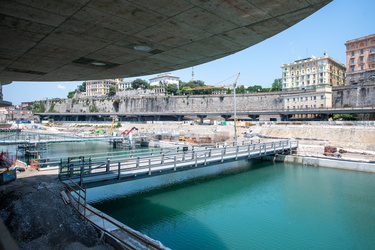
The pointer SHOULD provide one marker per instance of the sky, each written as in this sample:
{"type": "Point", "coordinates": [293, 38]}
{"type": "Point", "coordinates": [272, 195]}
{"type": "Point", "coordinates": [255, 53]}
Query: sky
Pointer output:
{"type": "Point", "coordinates": [326, 30]}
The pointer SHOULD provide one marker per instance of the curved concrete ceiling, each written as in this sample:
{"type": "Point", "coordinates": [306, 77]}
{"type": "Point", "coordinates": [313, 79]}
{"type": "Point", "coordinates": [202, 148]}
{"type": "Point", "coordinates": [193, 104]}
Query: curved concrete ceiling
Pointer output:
{"type": "Point", "coordinates": [99, 39]}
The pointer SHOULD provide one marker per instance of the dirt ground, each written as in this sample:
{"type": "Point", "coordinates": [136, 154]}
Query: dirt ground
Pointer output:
{"type": "Point", "coordinates": [37, 218]}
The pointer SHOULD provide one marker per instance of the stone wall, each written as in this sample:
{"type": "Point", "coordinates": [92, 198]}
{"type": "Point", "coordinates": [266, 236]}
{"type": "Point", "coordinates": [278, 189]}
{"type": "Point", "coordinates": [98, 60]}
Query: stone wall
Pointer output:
{"type": "Point", "coordinates": [353, 96]}
{"type": "Point", "coordinates": [342, 97]}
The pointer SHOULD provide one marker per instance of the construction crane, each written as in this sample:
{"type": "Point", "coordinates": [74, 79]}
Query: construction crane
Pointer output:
{"type": "Point", "coordinates": [234, 84]}
{"type": "Point", "coordinates": [217, 86]}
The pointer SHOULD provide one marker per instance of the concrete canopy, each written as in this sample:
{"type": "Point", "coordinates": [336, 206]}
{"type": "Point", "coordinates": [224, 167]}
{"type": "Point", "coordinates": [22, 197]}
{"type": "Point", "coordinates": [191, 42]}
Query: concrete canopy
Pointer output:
{"type": "Point", "coordinates": [99, 39]}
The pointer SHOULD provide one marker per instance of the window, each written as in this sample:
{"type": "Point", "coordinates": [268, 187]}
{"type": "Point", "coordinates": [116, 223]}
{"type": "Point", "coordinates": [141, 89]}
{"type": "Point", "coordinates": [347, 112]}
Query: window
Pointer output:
{"type": "Point", "coordinates": [322, 97]}
{"type": "Point", "coordinates": [352, 60]}
{"type": "Point", "coordinates": [352, 53]}
{"type": "Point", "coordinates": [352, 68]}
{"type": "Point", "coordinates": [314, 97]}
{"type": "Point", "coordinates": [314, 63]}
{"type": "Point", "coordinates": [297, 67]}
{"type": "Point", "coordinates": [307, 106]}
{"type": "Point", "coordinates": [308, 70]}
{"type": "Point", "coordinates": [303, 65]}
{"type": "Point", "coordinates": [308, 65]}
{"type": "Point", "coordinates": [313, 69]}
{"type": "Point", "coordinates": [306, 98]}
{"type": "Point", "coordinates": [303, 71]}
{"type": "Point", "coordinates": [372, 49]}
{"type": "Point", "coordinates": [361, 51]}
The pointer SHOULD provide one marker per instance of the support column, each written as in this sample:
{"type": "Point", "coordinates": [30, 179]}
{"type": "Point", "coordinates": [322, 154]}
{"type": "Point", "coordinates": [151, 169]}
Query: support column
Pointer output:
{"type": "Point", "coordinates": [201, 117]}
{"type": "Point", "coordinates": [285, 117]}
{"type": "Point", "coordinates": [254, 117]}
{"type": "Point", "coordinates": [226, 117]}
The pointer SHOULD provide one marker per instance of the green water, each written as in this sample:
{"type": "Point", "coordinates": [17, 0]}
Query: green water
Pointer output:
{"type": "Point", "coordinates": [267, 206]}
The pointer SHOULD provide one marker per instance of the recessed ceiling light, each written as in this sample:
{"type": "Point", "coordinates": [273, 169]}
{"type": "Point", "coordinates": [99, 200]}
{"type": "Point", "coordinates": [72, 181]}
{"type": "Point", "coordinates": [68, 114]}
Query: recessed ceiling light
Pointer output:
{"type": "Point", "coordinates": [98, 63]}
{"type": "Point", "coordinates": [142, 48]}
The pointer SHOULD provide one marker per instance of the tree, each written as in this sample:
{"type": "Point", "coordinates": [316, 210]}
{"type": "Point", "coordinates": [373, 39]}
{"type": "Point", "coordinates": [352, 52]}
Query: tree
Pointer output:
{"type": "Point", "coordinates": [71, 94]}
{"type": "Point", "coordinates": [82, 87]}
{"type": "Point", "coordinates": [171, 89]}
{"type": "Point", "coordinates": [112, 91]}
{"type": "Point", "coordinates": [255, 88]}
{"type": "Point", "coordinates": [139, 83]}
{"type": "Point", "coordinates": [277, 85]}
{"type": "Point", "coordinates": [240, 89]}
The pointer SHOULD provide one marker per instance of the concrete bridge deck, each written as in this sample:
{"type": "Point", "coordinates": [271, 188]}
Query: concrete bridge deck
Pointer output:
{"type": "Point", "coordinates": [93, 174]}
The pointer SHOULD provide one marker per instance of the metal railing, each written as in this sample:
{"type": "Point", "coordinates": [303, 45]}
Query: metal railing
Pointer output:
{"type": "Point", "coordinates": [147, 165]}
{"type": "Point", "coordinates": [79, 194]}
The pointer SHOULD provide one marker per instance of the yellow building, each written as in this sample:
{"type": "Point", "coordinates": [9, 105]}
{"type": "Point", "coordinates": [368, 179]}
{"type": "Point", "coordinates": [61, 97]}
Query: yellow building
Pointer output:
{"type": "Point", "coordinates": [312, 72]}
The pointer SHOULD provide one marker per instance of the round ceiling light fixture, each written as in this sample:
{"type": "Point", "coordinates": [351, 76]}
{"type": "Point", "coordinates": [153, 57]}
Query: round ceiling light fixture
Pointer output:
{"type": "Point", "coordinates": [142, 48]}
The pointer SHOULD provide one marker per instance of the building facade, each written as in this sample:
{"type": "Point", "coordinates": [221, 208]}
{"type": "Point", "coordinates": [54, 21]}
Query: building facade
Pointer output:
{"type": "Point", "coordinates": [99, 87]}
{"type": "Point", "coordinates": [312, 72]}
{"type": "Point", "coordinates": [360, 60]}
{"type": "Point", "coordinates": [318, 99]}
{"type": "Point", "coordinates": [164, 80]}
{"type": "Point", "coordinates": [123, 85]}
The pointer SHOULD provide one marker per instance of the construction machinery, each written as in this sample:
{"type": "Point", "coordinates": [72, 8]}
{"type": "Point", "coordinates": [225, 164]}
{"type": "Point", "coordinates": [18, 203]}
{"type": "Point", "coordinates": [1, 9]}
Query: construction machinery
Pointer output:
{"type": "Point", "coordinates": [127, 132]}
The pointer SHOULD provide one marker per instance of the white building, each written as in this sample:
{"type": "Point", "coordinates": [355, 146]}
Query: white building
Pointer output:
{"type": "Point", "coordinates": [321, 98]}
{"type": "Point", "coordinates": [164, 80]}
{"type": "Point", "coordinates": [123, 85]}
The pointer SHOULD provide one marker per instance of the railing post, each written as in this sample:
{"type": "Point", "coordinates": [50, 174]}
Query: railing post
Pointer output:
{"type": "Point", "coordinates": [137, 163]}
{"type": "Point", "coordinates": [81, 177]}
{"type": "Point", "coordinates": [162, 159]}
{"type": "Point", "coordinates": [209, 153]}
{"type": "Point", "coordinates": [205, 158]}
{"type": "Point", "coordinates": [260, 149]}
{"type": "Point", "coordinates": [149, 166]}
{"type": "Point", "coordinates": [183, 156]}
{"type": "Point", "coordinates": [196, 161]}
{"type": "Point", "coordinates": [237, 148]}
{"type": "Point", "coordinates": [61, 166]}
{"type": "Point", "coordinates": [192, 155]}
{"type": "Point", "coordinates": [174, 168]}
{"type": "Point", "coordinates": [248, 151]}
{"type": "Point", "coordinates": [222, 155]}
{"type": "Point", "coordinates": [119, 170]}
{"type": "Point", "coordinates": [90, 165]}
{"type": "Point", "coordinates": [225, 150]}
{"type": "Point", "coordinates": [107, 166]}
{"type": "Point", "coordinates": [274, 147]}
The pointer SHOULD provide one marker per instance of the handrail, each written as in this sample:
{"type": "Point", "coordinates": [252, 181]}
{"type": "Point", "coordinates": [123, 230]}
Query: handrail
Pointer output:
{"type": "Point", "coordinates": [150, 163]}
{"type": "Point", "coordinates": [85, 207]}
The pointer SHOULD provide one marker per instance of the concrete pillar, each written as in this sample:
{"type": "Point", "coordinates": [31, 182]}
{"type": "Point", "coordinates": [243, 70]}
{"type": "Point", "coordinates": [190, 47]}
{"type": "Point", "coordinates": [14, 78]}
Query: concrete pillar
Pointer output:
{"type": "Point", "coordinates": [226, 117]}
{"type": "Point", "coordinates": [254, 117]}
{"type": "Point", "coordinates": [201, 117]}
{"type": "Point", "coordinates": [285, 117]}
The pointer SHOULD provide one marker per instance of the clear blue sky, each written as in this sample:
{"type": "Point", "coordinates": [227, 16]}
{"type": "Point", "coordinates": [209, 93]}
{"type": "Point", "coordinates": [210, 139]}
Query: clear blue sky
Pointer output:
{"type": "Point", "coordinates": [326, 30]}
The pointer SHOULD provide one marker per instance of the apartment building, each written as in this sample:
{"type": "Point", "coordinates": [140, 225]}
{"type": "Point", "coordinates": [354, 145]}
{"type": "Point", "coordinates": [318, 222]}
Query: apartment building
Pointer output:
{"type": "Point", "coordinates": [99, 87]}
{"type": "Point", "coordinates": [318, 99]}
{"type": "Point", "coordinates": [123, 85]}
{"type": "Point", "coordinates": [164, 80]}
{"type": "Point", "coordinates": [312, 72]}
{"type": "Point", "coordinates": [360, 60]}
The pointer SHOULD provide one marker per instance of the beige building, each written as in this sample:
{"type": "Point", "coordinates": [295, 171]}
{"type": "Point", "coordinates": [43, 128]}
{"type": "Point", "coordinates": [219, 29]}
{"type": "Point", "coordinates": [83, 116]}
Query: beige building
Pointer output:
{"type": "Point", "coordinates": [312, 72]}
{"type": "Point", "coordinates": [360, 60]}
{"type": "Point", "coordinates": [320, 98]}
{"type": "Point", "coordinates": [100, 87]}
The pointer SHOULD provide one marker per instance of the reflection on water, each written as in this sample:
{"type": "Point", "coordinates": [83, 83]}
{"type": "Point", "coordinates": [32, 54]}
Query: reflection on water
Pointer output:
{"type": "Point", "coordinates": [272, 206]}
